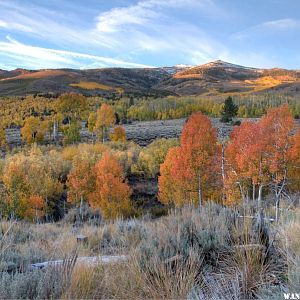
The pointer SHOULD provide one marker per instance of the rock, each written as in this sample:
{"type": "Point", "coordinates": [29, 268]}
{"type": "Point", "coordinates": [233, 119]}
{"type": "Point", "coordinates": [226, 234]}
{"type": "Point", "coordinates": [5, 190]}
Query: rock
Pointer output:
{"type": "Point", "coordinates": [83, 239]}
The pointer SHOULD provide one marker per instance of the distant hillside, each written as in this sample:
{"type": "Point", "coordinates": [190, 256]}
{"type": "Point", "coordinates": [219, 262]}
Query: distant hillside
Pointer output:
{"type": "Point", "coordinates": [211, 79]}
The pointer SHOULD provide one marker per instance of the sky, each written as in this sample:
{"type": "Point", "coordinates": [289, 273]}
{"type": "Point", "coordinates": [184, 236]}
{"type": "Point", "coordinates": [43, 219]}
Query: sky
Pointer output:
{"type": "Point", "coordinates": [83, 34]}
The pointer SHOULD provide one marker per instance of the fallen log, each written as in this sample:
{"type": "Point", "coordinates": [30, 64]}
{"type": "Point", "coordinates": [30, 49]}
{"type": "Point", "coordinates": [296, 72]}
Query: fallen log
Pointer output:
{"type": "Point", "coordinates": [248, 247]}
{"type": "Point", "coordinates": [86, 260]}
{"type": "Point", "coordinates": [255, 217]}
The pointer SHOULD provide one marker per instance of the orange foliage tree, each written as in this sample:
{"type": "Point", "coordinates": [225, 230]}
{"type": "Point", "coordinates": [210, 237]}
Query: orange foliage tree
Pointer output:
{"type": "Point", "coordinates": [81, 181]}
{"type": "Point", "coordinates": [192, 168]}
{"type": "Point", "coordinates": [278, 125]}
{"type": "Point", "coordinates": [112, 193]}
{"type": "Point", "coordinates": [247, 164]}
{"type": "Point", "coordinates": [258, 155]}
{"type": "Point", "coordinates": [169, 191]}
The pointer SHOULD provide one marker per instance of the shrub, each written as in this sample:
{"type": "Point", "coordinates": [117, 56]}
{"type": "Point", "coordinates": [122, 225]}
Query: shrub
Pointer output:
{"type": "Point", "coordinates": [31, 285]}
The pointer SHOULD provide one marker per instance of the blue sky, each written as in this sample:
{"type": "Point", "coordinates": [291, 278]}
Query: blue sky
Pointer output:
{"type": "Point", "coordinates": [101, 33]}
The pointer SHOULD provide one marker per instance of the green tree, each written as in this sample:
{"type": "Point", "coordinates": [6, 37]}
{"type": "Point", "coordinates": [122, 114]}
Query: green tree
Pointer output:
{"type": "Point", "coordinates": [230, 110]}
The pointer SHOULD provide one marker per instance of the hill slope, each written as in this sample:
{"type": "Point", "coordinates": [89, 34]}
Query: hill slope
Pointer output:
{"type": "Point", "coordinates": [214, 78]}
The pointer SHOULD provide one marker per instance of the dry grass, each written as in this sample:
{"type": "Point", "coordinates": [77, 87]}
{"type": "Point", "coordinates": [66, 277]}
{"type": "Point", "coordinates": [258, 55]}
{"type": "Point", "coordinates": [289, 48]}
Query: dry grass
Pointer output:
{"type": "Point", "coordinates": [90, 85]}
{"type": "Point", "coordinates": [187, 254]}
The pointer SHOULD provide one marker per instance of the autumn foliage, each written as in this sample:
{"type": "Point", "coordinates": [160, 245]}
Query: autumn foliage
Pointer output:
{"type": "Point", "coordinates": [31, 186]}
{"type": "Point", "coordinates": [100, 183]}
{"type": "Point", "coordinates": [112, 193]}
{"type": "Point", "coordinates": [260, 157]}
{"type": "Point", "coordinates": [104, 118]}
{"type": "Point", "coordinates": [34, 130]}
{"type": "Point", "coordinates": [118, 134]}
{"type": "Point", "coordinates": [190, 168]}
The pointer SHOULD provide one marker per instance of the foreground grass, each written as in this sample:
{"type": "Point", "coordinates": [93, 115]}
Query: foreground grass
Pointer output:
{"type": "Point", "coordinates": [207, 254]}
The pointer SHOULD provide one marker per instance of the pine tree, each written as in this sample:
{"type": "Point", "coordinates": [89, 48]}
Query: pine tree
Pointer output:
{"type": "Point", "coordinates": [230, 110]}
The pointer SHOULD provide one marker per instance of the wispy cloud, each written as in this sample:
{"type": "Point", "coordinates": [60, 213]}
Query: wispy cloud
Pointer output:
{"type": "Point", "coordinates": [129, 33]}
{"type": "Point", "coordinates": [282, 24]}
{"type": "Point", "coordinates": [268, 27]}
{"type": "Point", "coordinates": [149, 26]}
{"type": "Point", "coordinates": [38, 57]}
{"type": "Point", "coordinates": [144, 12]}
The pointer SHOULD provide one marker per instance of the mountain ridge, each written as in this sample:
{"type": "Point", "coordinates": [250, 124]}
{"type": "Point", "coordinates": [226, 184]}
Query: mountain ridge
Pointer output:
{"type": "Point", "coordinates": [213, 78]}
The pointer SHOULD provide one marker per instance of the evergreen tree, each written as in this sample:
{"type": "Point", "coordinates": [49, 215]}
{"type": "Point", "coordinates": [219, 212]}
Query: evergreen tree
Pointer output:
{"type": "Point", "coordinates": [230, 110]}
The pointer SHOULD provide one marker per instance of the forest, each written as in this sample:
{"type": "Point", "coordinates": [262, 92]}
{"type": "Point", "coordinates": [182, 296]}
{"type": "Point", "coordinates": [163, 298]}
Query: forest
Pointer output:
{"type": "Point", "coordinates": [259, 158]}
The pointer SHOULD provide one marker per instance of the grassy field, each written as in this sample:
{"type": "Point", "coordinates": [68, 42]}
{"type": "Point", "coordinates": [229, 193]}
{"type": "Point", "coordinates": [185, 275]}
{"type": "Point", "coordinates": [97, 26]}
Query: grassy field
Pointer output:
{"type": "Point", "coordinates": [209, 254]}
{"type": "Point", "coordinates": [89, 85]}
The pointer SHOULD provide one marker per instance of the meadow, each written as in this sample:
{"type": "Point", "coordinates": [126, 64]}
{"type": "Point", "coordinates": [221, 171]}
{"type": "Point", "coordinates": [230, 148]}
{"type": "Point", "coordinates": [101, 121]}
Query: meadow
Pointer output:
{"type": "Point", "coordinates": [214, 253]}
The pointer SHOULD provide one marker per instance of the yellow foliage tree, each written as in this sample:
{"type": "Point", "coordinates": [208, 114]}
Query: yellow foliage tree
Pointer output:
{"type": "Point", "coordinates": [118, 134]}
{"type": "Point", "coordinates": [105, 118]}
{"type": "Point", "coordinates": [34, 130]}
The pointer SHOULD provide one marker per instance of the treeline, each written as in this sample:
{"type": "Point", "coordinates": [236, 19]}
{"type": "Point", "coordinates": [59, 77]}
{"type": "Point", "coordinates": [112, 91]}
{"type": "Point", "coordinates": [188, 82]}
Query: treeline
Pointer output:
{"type": "Point", "coordinates": [15, 111]}
{"type": "Point", "coordinates": [260, 158]}
{"type": "Point", "coordinates": [42, 182]}
{"type": "Point", "coordinates": [178, 107]}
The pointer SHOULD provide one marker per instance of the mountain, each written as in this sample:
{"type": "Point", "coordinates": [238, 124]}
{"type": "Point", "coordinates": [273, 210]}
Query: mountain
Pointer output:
{"type": "Point", "coordinates": [211, 79]}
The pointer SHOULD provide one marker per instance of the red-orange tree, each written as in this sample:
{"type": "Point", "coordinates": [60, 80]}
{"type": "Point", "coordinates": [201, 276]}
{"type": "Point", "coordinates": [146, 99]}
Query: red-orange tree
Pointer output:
{"type": "Point", "coordinates": [191, 168]}
{"type": "Point", "coordinates": [257, 155]}
{"type": "Point", "coordinates": [112, 193]}
{"type": "Point", "coordinates": [247, 165]}
{"type": "Point", "coordinates": [278, 125]}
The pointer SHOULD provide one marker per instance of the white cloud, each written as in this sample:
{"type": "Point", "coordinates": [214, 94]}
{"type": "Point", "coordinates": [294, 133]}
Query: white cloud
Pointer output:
{"type": "Point", "coordinates": [150, 27]}
{"type": "Point", "coordinates": [282, 24]}
{"type": "Point", "coordinates": [38, 57]}
{"type": "Point", "coordinates": [144, 11]}
{"type": "Point", "coordinates": [134, 15]}
{"type": "Point", "coordinates": [3, 24]}
{"type": "Point", "coordinates": [267, 27]}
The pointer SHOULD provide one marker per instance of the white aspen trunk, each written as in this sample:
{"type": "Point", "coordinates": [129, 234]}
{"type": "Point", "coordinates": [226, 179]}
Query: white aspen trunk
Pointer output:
{"type": "Point", "coordinates": [103, 131]}
{"type": "Point", "coordinates": [80, 209]}
{"type": "Point", "coordinates": [199, 191]}
{"type": "Point", "coordinates": [223, 172]}
{"type": "Point", "coordinates": [55, 131]}
{"type": "Point", "coordinates": [277, 208]}
{"type": "Point", "coordinates": [260, 189]}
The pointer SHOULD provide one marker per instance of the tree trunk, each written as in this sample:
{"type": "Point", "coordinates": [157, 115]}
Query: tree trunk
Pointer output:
{"type": "Point", "coordinates": [259, 195]}
{"type": "Point", "coordinates": [253, 192]}
{"type": "Point", "coordinates": [199, 191]}
{"type": "Point", "coordinates": [223, 173]}
{"type": "Point", "coordinates": [277, 208]}
{"type": "Point", "coordinates": [55, 130]}
{"type": "Point", "coordinates": [103, 134]}
{"type": "Point", "coordinates": [81, 208]}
